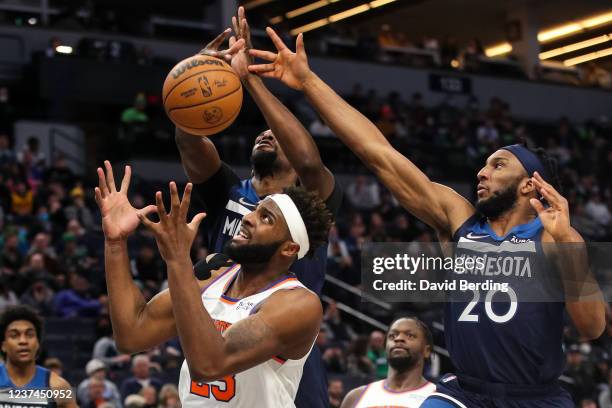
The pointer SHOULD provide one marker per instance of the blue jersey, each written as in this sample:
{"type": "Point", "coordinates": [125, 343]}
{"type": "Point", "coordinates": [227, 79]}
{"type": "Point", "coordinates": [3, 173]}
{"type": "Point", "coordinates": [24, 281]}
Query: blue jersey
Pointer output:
{"type": "Point", "coordinates": [40, 381]}
{"type": "Point", "coordinates": [507, 343]}
{"type": "Point", "coordinates": [227, 199]}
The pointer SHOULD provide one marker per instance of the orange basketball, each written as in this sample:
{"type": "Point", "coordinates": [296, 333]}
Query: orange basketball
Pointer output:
{"type": "Point", "coordinates": [202, 95]}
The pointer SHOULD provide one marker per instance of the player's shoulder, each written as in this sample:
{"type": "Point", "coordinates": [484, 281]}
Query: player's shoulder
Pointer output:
{"type": "Point", "coordinates": [353, 396]}
{"type": "Point", "coordinates": [292, 302]}
{"type": "Point", "coordinates": [58, 382]}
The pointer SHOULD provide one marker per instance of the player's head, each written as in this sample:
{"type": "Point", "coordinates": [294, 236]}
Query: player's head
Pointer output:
{"type": "Point", "coordinates": [21, 329]}
{"type": "Point", "coordinates": [267, 157]}
{"type": "Point", "coordinates": [282, 227]}
{"type": "Point", "coordinates": [505, 180]}
{"type": "Point", "coordinates": [409, 343]}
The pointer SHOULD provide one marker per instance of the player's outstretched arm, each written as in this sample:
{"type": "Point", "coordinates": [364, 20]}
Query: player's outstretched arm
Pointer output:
{"type": "Point", "coordinates": [437, 205]}
{"type": "Point", "coordinates": [199, 155]}
{"type": "Point", "coordinates": [137, 325]}
{"type": "Point", "coordinates": [350, 400]}
{"type": "Point", "coordinates": [272, 331]}
{"type": "Point", "coordinates": [294, 139]}
{"type": "Point", "coordinates": [62, 388]}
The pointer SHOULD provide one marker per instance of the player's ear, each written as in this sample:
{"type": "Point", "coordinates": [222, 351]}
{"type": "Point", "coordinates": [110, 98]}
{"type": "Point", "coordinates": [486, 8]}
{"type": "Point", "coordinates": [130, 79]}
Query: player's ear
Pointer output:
{"type": "Point", "coordinates": [527, 186]}
{"type": "Point", "coordinates": [427, 352]}
{"type": "Point", "coordinates": [290, 249]}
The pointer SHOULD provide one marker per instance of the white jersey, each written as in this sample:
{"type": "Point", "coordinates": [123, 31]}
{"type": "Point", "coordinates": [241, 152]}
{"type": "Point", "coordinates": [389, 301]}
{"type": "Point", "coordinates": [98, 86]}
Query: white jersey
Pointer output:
{"type": "Point", "coordinates": [377, 395]}
{"type": "Point", "coordinates": [271, 384]}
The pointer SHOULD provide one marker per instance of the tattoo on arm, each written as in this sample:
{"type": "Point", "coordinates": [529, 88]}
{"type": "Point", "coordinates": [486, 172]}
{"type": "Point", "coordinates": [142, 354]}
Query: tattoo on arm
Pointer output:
{"type": "Point", "coordinates": [252, 332]}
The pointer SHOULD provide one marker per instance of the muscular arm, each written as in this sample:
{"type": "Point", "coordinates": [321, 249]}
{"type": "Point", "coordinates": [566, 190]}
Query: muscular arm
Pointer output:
{"type": "Point", "coordinates": [435, 204]}
{"type": "Point", "coordinates": [350, 400]}
{"type": "Point", "coordinates": [295, 141]}
{"type": "Point", "coordinates": [199, 156]}
{"type": "Point", "coordinates": [58, 383]}
{"type": "Point", "coordinates": [271, 331]}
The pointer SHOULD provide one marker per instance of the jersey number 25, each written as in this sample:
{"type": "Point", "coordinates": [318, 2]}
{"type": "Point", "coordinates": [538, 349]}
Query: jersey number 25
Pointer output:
{"type": "Point", "coordinates": [222, 394]}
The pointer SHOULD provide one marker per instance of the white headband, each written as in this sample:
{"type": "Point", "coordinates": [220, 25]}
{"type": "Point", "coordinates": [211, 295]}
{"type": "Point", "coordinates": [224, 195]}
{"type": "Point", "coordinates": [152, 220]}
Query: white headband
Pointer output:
{"type": "Point", "coordinates": [294, 221]}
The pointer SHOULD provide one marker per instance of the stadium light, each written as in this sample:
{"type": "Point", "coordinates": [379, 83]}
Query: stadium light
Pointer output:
{"type": "Point", "coordinates": [378, 3]}
{"type": "Point", "coordinates": [63, 49]}
{"type": "Point", "coordinates": [256, 3]}
{"type": "Point", "coordinates": [575, 47]}
{"type": "Point", "coordinates": [587, 57]}
{"type": "Point", "coordinates": [550, 34]}
{"type": "Point", "coordinates": [307, 8]}
{"type": "Point", "coordinates": [349, 13]}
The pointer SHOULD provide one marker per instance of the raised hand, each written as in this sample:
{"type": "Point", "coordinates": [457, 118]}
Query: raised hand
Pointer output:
{"type": "Point", "coordinates": [173, 234]}
{"type": "Point", "coordinates": [119, 217]}
{"type": "Point", "coordinates": [555, 219]}
{"type": "Point", "coordinates": [287, 66]}
{"type": "Point", "coordinates": [212, 48]}
{"type": "Point", "coordinates": [241, 59]}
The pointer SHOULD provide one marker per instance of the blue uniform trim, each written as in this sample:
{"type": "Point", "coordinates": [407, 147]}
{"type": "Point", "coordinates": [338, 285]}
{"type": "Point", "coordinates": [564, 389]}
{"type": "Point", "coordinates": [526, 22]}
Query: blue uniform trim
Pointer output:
{"type": "Point", "coordinates": [40, 379]}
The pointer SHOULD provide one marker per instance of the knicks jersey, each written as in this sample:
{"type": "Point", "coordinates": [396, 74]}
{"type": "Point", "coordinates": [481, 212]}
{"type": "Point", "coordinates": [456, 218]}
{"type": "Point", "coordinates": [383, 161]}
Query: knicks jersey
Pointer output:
{"type": "Point", "coordinates": [506, 340]}
{"type": "Point", "coordinates": [40, 381]}
{"type": "Point", "coordinates": [242, 199]}
{"type": "Point", "coordinates": [377, 395]}
{"type": "Point", "coordinates": [271, 384]}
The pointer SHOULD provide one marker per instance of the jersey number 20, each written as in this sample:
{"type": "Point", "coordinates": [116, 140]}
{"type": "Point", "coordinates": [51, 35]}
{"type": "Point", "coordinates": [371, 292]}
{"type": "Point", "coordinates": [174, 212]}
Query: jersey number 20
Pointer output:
{"type": "Point", "coordinates": [222, 394]}
{"type": "Point", "coordinates": [467, 316]}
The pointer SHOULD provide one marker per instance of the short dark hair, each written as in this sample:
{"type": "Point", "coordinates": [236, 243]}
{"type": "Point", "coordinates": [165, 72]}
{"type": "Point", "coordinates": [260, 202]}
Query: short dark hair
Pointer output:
{"type": "Point", "coordinates": [314, 212]}
{"type": "Point", "coordinates": [551, 165]}
{"type": "Point", "coordinates": [422, 325]}
{"type": "Point", "coordinates": [21, 312]}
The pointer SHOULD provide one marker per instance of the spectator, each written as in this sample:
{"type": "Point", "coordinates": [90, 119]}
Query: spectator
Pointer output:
{"type": "Point", "coordinates": [149, 393]}
{"type": "Point", "coordinates": [136, 113]}
{"type": "Point", "coordinates": [60, 173]}
{"type": "Point", "coordinates": [134, 401]}
{"type": "Point", "coordinates": [12, 259]}
{"type": "Point", "coordinates": [22, 200]}
{"type": "Point", "coordinates": [105, 348]}
{"type": "Point", "coordinates": [77, 301]}
{"type": "Point", "coordinates": [141, 365]}
{"type": "Point", "coordinates": [339, 259]}
{"type": "Point", "coordinates": [55, 365]}
{"type": "Point", "coordinates": [358, 363]}
{"type": "Point", "coordinates": [7, 156]}
{"type": "Point", "coordinates": [605, 396]}
{"type": "Point", "coordinates": [377, 354]}
{"type": "Point", "coordinates": [363, 194]}
{"type": "Point", "coordinates": [597, 210]}
{"type": "Point", "coordinates": [7, 296]}
{"type": "Point", "coordinates": [39, 295]}
{"type": "Point", "coordinates": [169, 397]}
{"type": "Point", "coordinates": [581, 372]}
{"type": "Point", "coordinates": [96, 373]}
{"type": "Point", "coordinates": [335, 390]}
{"type": "Point", "coordinates": [32, 149]}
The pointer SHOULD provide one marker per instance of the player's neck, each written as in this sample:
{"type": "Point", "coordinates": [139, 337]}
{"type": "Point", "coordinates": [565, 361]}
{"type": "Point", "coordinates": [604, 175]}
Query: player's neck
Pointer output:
{"type": "Point", "coordinates": [273, 183]}
{"type": "Point", "coordinates": [20, 375]}
{"type": "Point", "coordinates": [405, 380]}
{"type": "Point", "coordinates": [516, 216]}
{"type": "Point", "coordinates": [253, 278]}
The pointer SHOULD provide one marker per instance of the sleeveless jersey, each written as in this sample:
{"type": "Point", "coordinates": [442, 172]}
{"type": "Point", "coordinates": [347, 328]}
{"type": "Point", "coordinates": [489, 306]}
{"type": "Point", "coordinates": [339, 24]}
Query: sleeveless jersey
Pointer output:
{"type": "Point", "coordinates": [40, 381]}
{"type": "Point", "coordinates": [377, 395]}
{"type": "Point", "coordinates": [271, 384]}
{"type": "Point", "coordinates": [501, 341]}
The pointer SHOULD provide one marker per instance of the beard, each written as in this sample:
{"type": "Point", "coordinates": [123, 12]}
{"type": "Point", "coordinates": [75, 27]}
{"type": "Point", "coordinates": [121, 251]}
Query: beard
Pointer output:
{"type": "Point", "coordinates": [264, 163]}
{"type": "Point", "coordinates": [251, 253]}
{"type": "Point", "coordinates": [403, 363]}
{"type": "Point", "coordinates": [500, 202]}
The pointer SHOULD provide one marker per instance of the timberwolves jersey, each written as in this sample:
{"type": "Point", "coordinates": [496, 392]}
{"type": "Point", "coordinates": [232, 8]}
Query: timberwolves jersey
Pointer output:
{"type": "Point", "coordinates": [271, 384]}
{"type": "Point", "coordinates": [11, 395]}
{"type": "Point", "coordinates": [492, 337]}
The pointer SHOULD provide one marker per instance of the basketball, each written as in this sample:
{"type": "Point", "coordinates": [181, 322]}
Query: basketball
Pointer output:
{"type": "Point", "coordinates": [202, 95]}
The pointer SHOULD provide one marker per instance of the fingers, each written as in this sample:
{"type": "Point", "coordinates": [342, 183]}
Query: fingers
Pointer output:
{"type": "Point", "coordinates": [185, 202]}
{"type": "Point", "coordinates": [537, 205]}
{"type": "Point", "coordinates": [265, 55]}
{"type": "Point", "coordinates": [548, 191]}
{"type": "Point", "coordinates": [147, 210]}
{"type": "Point", "coordinates": [232, 41]}
{"type": "Point", "coordinates": [110, 178]}
{"type": "Point", "coordinates": [299, 44]}
{"type": "Point", "coordinates": [220, 39]}
{"type": "Point", "coordinates": [262, 68]}
{"type": "Point", "coordinates": [145, 221]}
{"type": "Point", "coordinates": [175, 202]}
{"type": "Point", "coordinates": [125, 183]}
{"type": "Point", "coordinates": [235, 25]}
{"type": "Point", "coordinates": [103, 187]}
{"type": "Point", "coordinates": [98, 195]}
{"type": "Point", "coordinates": [161, 209]}
{"type": "Point", "coordinates": [278, 43]}
{"type": "Point", "coordinates": [197, 220]}
{"type": "Point", "coordinates": [234, 48]}
{"type": "Point", "coordinates": [241, 14]}
{"type": "Point", "coordinates": [245, 32]}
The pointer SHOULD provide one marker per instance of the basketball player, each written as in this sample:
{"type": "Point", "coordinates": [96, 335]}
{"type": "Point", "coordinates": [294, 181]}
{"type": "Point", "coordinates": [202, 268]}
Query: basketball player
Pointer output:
{"type": "Point", "coordinates": [409, 344]}
{"type": "Point", "coordinates": [509, 362]}
{"type": "Point", "coordinates": [21, 330]}
{"type": "Point", "coordinates": [283, 156]}
{"type": "Point", "coordinates": [246, 347]}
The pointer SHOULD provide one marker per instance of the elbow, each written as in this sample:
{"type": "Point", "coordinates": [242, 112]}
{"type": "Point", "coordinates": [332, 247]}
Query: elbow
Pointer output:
{"type": "Point", "coordinates": [125, 346]}
{"type": "Point", "coordinates": [593, 330]}
{"type": "Point", "coordinates": [203, 374]}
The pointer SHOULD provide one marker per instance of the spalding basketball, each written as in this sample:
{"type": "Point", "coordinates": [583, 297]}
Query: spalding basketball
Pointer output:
{"type": "Point", "coordinates": [202, 95]}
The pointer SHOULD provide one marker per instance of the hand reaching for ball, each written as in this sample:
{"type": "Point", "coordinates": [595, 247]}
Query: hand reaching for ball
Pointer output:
{"type": "Point", "coordinates": [212, 48]}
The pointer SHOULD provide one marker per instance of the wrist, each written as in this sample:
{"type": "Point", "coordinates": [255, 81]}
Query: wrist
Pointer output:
{"type": "Point", "coordinates": [179, 264]}
{"type": "Point", "coordinates": [115, 242]}
{"type": "Point", "coordinates": [309, 80]}
{"type": "Point", "coordinates": [249, 81]}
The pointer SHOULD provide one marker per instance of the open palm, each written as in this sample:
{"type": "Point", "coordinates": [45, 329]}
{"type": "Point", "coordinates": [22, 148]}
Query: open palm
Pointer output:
{"type": "Point", "coordinates": [119, 217]}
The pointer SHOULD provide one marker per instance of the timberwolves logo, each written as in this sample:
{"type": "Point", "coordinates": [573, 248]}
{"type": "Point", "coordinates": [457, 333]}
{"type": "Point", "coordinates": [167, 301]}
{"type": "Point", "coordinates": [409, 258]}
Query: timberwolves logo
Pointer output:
{"type": "Point", "coordinates": [213, 115]}
{"type": "Point", "coordinates": [204, 86]}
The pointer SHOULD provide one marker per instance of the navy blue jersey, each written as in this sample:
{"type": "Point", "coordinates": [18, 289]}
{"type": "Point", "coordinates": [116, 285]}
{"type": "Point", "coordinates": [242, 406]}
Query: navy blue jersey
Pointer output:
{"type": "Point", "coordinates": [506, 343]}
{"type": "Point", "coordinates": [227, 199]}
